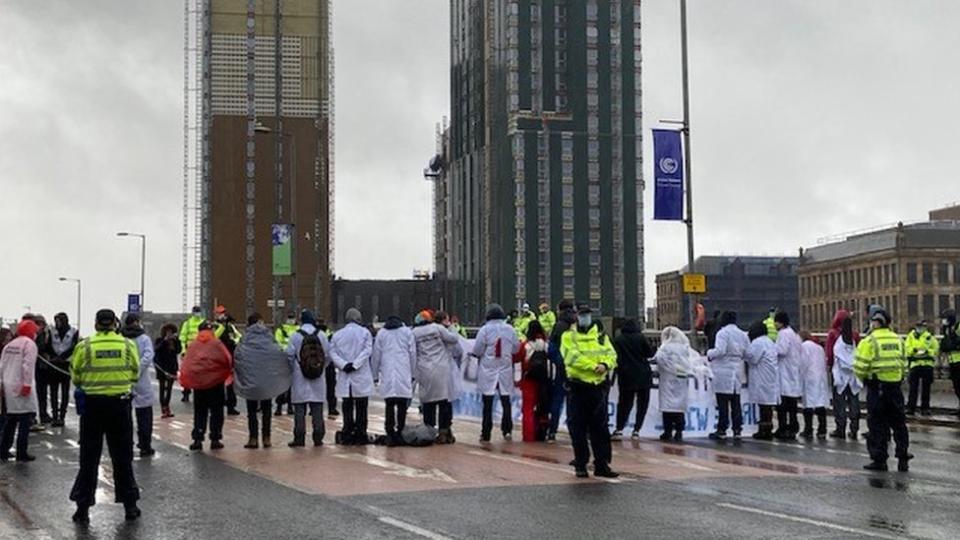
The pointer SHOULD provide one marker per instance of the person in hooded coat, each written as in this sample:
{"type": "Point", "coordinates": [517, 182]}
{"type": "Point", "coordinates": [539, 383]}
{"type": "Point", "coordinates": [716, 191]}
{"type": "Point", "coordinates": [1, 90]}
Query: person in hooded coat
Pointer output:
{"type": "Point", "coordinates": [433, 373]}
{"type": "Point", "coordinates": [846, 385]}
{"type": "Point", "coordinates": [674, 367]}
{"type": "Point", "coordinates": [207, 366]}
{"type": "Point", "coordinates": [393, 362]}
{"type": "Point", "coordinates": [18, 381]}
{"type": "Point", "coordinates": [726, 360]}
{"type": "Point", "coordinates": [633, 375]}
{"type": "Point", "coordinates": [261, 372]}
{"type": "Point", "coordinates": [306, 392]}
{"type": "Point", "coordinates": [350, 350]}
{"type": "Point", "coordinates": [143, 389]}
{"type": "Point", "coordinates": [790, 355]}
{"type": "Point", "coordinates": [764, 382]}
{"type": "Point", "coordinates": [495, 346]}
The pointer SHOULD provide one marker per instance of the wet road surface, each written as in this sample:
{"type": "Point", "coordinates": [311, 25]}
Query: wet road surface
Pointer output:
{"type": "Point", "coordinates": [699, 489]}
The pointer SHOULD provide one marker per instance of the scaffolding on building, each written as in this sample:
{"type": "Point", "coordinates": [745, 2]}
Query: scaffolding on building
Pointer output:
{"type": "Point", "coordinates": [193, 126]}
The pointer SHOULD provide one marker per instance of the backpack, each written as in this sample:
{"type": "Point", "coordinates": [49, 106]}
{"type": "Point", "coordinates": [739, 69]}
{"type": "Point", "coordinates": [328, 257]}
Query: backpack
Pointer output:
{"type": "Point", "coordinates": [312, 358]}
{"type": "Point", "coordinates": [537, 367]}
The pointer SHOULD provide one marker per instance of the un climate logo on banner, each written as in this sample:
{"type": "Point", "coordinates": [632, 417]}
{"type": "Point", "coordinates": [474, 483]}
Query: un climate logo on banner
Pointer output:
{"type": "Point", "coordinates": [669, 165]}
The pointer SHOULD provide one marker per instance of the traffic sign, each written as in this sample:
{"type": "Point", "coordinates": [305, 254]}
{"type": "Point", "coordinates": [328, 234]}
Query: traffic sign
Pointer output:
{"type": "Point", "coordinates": [694, 284]}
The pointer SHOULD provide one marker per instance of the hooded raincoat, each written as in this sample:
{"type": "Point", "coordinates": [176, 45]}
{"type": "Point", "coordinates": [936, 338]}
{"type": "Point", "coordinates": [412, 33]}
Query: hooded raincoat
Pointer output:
{"type": "Point", "coordinates": [434, 362]}
{"type": "Point", "coordinates": [764, 382]}
{"type": "Point", "coordinates": [353, 344]}
{"type": "Point", "coordinates": [17, 369]}
{"type": "Point", "coordinates": [302, 389]}
{"type": "Point", "coordinates": [394, 359]}
{"type": "Point", "coordinates": [206, 364]}
{"type": "Point", "coordinates": [816, 387]}
{"type": "Point", "coordinates": [726, 359]}
{"type": "Point", "coordinates": [790, 354]}
{"type": "Point", "coordinates": [261, 370]}
{"type": "Point", "coordinates": [675, 367]}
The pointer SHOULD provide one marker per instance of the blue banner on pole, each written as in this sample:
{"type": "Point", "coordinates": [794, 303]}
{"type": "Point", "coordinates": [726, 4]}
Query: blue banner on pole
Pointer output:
{"type": "Point", "coordinates": [668, 175]}
{"type": "Point", "coordinates": [133, 303]}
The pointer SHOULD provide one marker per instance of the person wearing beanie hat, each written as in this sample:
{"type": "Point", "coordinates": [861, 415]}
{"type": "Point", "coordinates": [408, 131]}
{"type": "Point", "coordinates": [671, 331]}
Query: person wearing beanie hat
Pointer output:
{"type": "Point", "coordinates": [104, 368]}
{"type": "Point", "coordinates": [495, 346]}
{"type": "Point", "coordinates": [18, 378]}
{"type": "Point", "coordinates": [350, 350]}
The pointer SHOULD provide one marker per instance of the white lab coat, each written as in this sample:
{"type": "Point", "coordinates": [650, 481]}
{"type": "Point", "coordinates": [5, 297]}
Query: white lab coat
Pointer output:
{"type": "Point", "coordinates": [816, 387]}
{"type": "Point", "coordinates": [434, 362]}
{"type": "Point", "coordinates": [843, 376]}
{"type": "Point", "coordinates": [675, 369]}
{"type": "Point", "coordinates": [495, 372]}
{"type": "Point", "coordinates": [790, 353]}
{"type": "Point", "coordinates": [353, 344]}
{"type": "Point", "coordinates": [726, 359]}
{"type": "Point", "coordinates": [17, 368]}
{"type": "Point", "coordinates": [764, 376]}
{"type": "Point", "coordinates": [302, 389]}
{"type": "Point", "coordinates": [394, 362]}
{"type": "Point", "coordinates": [143, 389]}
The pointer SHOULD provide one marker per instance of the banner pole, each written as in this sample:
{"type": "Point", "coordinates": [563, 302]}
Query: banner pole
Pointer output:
{"type": "Point", "coordinates": [691, 267]}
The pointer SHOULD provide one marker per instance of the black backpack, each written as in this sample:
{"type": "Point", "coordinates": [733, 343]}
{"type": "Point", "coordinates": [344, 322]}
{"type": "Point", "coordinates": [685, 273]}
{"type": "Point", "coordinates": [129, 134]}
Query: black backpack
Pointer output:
{"type": "Point", "coordinates": [312, 358]}
{"type": "Point", "coordinates": [537, 367]}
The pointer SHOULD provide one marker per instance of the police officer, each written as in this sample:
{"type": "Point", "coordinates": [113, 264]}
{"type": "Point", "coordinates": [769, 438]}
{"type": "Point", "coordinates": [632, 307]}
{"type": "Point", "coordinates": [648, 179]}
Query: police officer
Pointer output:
{"type": "Point", "coordinates": [105, 367]}
{"type": "Point", "coordinates": [922, 351]}
{"type": "Point", "coordinates": [880, 364]}
{"type": "Point", "coordinates": [950, 347]}
{"type": "Point", "coordinates": [588, 355]}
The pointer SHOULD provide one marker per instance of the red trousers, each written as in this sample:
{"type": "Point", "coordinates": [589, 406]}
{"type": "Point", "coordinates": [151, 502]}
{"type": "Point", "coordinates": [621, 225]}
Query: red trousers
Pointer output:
{"type": "Point", "coordinates": [534, 417]}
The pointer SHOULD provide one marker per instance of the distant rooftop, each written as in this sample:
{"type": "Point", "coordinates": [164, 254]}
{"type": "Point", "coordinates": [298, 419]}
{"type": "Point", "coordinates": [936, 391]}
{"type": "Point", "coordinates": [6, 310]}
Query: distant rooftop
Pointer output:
{"type": "Point", "coordinates": [924, 234]}
{"type": "Point", "coordinates": [713, 265]}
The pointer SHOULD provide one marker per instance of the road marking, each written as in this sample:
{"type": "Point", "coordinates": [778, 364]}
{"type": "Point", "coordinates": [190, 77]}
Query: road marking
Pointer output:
{"type": "Point", "coordinates": [692, 466]}
{"type": "Point", "coordinates": [808, 521]}
{"type": "Point", "coordinates": [399, 469]}
{"type": "Point", "coordinates": [412, 528]}
{"type": "Point", "coordinates": [72, 443]}
{"type": "Point", "coordinates": [529, 463]}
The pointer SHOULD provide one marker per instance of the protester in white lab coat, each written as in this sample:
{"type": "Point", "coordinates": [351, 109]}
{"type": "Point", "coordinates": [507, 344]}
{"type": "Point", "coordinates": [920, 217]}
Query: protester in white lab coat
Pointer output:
{"type": "Point", "coordinates": [143, 389]}
{"type": "Point", "coordinates": [18, 363]}
{"type": "Point", "coordinates": [495, 346]}
{"type": "Point", "coordinates": [394, 362]}
{"type": "Point", "coordinates": [846, 385]}
{"type": "Point", "coordinates": [308, 393]}
{"type": "Point", "coordinates": [454, 354]}
{"type": "Point", "coordinates": [674, 366]}
{"type": "Point", "coordinates": [764, 382]}
{"type": "Point", "coordinates": [350, 350]}
{"type": "Point", "coordinates": [726, 361]}
{"type": "Point", "coordinates": [433, 373]}
{"type": "Point", "coordinates": [816, 387]}
{"type": "Point", "coordinates": [790, 354]}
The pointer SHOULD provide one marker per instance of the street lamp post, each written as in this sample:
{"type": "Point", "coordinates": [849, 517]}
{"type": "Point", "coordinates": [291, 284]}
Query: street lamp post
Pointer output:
{"type": "Point", "coordinates": [77, 281]}
{"type": "Point", "coordinates": [143, 263]}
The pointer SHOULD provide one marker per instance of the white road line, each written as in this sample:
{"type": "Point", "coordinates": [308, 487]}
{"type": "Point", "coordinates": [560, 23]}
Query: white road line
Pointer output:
{"type": "Point", "coordinates": [530, 463]}
{"type": "Point", "coordinates": [412, 528]}
{"type": "Point", "coordinates": [808, 521]}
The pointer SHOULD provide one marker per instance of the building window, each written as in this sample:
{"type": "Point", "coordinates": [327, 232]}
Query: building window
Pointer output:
{"type": "Point", "coordinates": [927, 273]}
{"type": "Point", "coordinates": [927, 305]}
{"type": "Point", "coordinates": [944, 301]}
{"type": "Point", "coordinates": [912, 313]}
{"type": "Point", "coordinates": [943, 273]}
{"type": "Point", "coordinates": [912, 273]}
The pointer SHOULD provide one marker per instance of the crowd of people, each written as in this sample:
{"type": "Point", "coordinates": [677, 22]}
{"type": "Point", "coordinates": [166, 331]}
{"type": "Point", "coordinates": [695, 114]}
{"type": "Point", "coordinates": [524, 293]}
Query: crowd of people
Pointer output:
{"type": "Point", "coordinates": [561, 360]}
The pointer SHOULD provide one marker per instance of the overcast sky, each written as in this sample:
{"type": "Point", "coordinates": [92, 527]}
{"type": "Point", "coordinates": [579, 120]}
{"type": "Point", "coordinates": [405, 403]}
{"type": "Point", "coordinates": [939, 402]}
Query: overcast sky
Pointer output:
{"type": "Point", "coordinates": [810, 118]}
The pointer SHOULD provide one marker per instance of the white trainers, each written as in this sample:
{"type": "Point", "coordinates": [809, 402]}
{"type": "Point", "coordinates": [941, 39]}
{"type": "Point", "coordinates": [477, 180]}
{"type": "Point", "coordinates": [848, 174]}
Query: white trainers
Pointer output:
{"type": "Point", "coordinates": [635, 435]}
{"type": "Point", "coordinates": [616, 436]}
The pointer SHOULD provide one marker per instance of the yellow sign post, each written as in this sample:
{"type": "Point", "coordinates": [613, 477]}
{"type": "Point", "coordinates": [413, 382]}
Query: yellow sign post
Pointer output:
{"type": "Point", "coordinates": [694, 284]}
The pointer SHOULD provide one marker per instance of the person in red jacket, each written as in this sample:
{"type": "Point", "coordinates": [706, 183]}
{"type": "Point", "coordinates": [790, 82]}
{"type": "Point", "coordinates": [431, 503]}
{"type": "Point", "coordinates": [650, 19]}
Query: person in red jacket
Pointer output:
{"type": "Point", "coordinates": [207, 367]}
{"type": "Point", "coordinates": [534, 382]}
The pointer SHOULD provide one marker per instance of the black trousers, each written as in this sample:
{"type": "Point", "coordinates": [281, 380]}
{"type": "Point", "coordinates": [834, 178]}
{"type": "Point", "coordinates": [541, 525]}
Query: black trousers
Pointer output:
{"type": "Point", "coordinates": [629, 397]}
{"type": "Point", "coordinates": [787, 423]}
{"type": "Point", "coordinates": [144, 427]}
{"type": "Point", "coordinates": [588, 425]}
{"type": "Point", "coordinates": [355, 415]}
{"type": "Point", "coordinates": [208, 403]}
{"type": "Point", "coordinates": [921, 378]}
{"type": "Point", "coordinates": [110, 418]}
{"type": "Point", "coordinates": [885, 414]}
{"type": "Point", "coordinates": [57, 386]}
{"type": "Point", "coordinates": [231, 398]}
{"type": "Point", "coordinates": [331, 380]}
{"type": "Point", "coordinates": [765, 427]}
{"type": "Point", "coordinates": [821, 413]}
{"type": "Point", "coordinates": [396, 416]}
{"type": "Point", "coordinates": [446, 414]}
{"type": "Point", "coordinates": [955, 378]}
{"type": "Point", "coordinates": [19, 423]}
{"type": "Point", "coordinates": [673, 423]}
{"type": "Point", "coordinates": [284, 399]}
{"type": "Point", "coordinates": [506, 420]}
{"type": "Point", "coordinates": [316, 421]}
{"type": "Point", "coordinates": [729, 406]}
{"type": "Point", "coordinates": [166, 389]}
{"type": "Point", "coordinates": [266, 413]}
{"type": "Point", "coordinates": [43, 388]}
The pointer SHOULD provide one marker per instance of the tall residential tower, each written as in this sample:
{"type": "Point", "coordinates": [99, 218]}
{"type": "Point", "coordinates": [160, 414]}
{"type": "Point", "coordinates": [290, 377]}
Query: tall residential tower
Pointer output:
{"type": "Point", "coordinates": [543, 162]}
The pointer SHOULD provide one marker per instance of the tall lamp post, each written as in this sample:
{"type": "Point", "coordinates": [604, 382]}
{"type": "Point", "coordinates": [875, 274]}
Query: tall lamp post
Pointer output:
{"type": "Point", "coordinates": [77, 281]}
{"type": "Point", "coordinates": [143, 262]}
{"type": "Point", "coordinates": [291, 212]}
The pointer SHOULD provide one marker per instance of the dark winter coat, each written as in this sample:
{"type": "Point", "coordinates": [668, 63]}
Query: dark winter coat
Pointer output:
{"type": "Point", "coordinates": [633, 358]}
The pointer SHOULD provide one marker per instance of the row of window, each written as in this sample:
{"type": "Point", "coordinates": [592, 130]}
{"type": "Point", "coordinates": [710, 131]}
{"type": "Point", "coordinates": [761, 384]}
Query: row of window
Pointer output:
{"type": "Point", "coordinates": [928, 306]}
{"type": "Point", "coordinates": [880, 276]}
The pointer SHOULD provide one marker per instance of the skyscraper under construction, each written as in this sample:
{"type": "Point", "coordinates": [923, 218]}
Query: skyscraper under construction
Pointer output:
{"type": "Point", "coordinates": [258, 121]}
{"type": "Point", "coordinates": [542, 161]}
